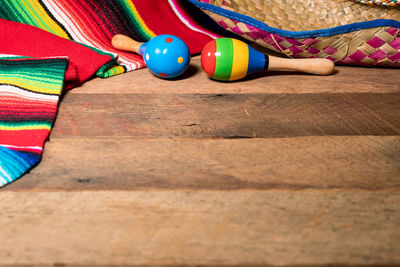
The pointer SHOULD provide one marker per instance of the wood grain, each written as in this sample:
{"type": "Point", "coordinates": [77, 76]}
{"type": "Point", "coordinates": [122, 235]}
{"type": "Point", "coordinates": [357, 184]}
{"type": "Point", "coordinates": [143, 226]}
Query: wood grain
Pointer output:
{"type": "Point", "coordinates": [280, 169]}
{"type": "Point", "coordinates": [347, 163]}
{"type": "Point", "coordinates": [200, 228]}
{"type": "Point", "coordinates": [345, 80]}
{"type": "Point", "coordinates": [228, 115]}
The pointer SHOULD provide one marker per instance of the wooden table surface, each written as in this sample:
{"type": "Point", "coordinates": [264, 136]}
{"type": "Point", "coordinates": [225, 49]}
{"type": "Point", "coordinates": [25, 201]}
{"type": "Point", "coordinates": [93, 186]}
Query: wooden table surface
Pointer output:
{"type": "Point", "coordinates": [283, 169]}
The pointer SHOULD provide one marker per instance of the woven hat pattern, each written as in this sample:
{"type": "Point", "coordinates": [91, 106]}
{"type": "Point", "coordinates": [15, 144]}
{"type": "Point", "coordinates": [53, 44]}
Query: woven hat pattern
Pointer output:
{"type": "Point", "coordinates": [295, 15]}
{"type": "Point", "coordinates": [377, 46]}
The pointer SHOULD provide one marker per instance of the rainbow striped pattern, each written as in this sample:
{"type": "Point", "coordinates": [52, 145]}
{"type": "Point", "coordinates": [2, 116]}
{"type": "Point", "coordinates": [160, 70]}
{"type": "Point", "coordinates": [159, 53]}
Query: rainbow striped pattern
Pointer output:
{"type": "Point", "coordinates": [380, 2]}
{"type": "Point", "coordinates": [85, 22]}
{"type": "Point", "coordinates": [30, 87]}
{"type": "Point", "coordinates": [227, 59]}
{"type": "Point", "coordinates": [94, 23]}
{"type": "Point", "coordinates": [29, 94]}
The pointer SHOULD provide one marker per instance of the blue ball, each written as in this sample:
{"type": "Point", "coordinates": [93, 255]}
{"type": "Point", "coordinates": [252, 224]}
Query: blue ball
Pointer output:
{"type": "Point", "coordinates": [167, 56]}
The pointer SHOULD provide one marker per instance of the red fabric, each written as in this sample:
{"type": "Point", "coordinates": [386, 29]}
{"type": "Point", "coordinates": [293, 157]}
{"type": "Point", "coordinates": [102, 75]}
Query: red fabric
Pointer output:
{"type": "Point", "coordinates": [24, 137]}
{"type": "Point", "coordinates": [25, 40]}
{"type": "Point", "coordinates": [163, 20]}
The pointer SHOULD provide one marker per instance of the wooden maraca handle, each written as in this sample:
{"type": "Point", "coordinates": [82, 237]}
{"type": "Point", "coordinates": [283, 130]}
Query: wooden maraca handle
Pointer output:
{"type": "Point", "coordinates": [319, 66]}
{"type": "Point", "coordinates": [123, 42]}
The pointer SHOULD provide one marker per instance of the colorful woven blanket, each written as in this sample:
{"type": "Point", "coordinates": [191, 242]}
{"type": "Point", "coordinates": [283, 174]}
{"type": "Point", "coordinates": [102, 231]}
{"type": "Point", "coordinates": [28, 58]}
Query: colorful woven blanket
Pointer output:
{"type": "Point", "coordinates": [60, 44]}
{"type": "Point", "coordinates": [47, 46]}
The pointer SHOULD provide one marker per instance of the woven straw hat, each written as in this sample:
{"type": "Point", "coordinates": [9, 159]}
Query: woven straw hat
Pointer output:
{"type": "Point", "coordinates": [350, 32]}
{"type": "Point", "coordinates": [306, 15]}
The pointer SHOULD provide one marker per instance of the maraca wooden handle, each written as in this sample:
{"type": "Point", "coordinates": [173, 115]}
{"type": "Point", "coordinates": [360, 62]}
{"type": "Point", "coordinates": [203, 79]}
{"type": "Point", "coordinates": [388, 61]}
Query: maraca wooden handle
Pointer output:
{"type": "Point", "coordinates": [226, 59]}
{"type": "Point", "coordinates": [123, 42]}
{"type": "Point", "coordinates": [319, 66]}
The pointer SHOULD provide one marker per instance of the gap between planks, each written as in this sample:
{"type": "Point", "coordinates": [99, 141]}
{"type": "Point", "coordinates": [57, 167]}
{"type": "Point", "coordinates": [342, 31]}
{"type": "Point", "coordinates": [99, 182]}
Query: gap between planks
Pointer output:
{"type": "Point", "coordinates": [347, 163]}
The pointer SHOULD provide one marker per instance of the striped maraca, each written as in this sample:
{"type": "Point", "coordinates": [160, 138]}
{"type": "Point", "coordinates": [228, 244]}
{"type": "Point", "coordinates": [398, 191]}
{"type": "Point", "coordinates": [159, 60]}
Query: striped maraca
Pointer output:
{"type": "Point", "coordinates": [227, 59]}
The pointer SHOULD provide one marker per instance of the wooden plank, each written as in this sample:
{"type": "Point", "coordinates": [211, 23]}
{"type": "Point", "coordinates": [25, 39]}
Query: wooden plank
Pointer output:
{"type": "Point", "coordinates": [228, 115]}
{"type": "Point", "coordinates": [200, 228]}
{"type": "Point", "coordinates": [346, 80]}
{"type": "Point", "coordinates": [351, 163]}
{"type": "Point", "coordinates": [198, 185]}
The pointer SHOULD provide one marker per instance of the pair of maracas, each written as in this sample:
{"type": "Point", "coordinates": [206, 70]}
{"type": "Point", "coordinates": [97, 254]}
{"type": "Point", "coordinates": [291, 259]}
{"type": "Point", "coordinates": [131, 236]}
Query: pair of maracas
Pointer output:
{"type": "Point", "coordinates": [223, 59]}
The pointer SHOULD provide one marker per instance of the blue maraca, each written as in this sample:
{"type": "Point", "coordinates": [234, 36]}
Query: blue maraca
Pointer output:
{"type": "Point", "coordinates": [166, 56]}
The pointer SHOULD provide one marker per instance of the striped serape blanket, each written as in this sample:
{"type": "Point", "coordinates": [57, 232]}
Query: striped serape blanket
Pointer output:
{"type": "Point", "coordinates": [47, 46]}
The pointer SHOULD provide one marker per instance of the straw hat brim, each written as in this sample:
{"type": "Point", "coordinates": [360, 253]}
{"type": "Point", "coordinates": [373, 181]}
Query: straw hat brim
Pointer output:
{"type": "Point", "coordinates": [344, 31]}
{"type": "Point", "coordinates": [296, 15]}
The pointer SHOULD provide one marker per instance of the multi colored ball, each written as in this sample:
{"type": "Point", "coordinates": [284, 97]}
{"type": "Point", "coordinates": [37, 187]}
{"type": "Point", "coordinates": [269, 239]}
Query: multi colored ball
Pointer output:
{"type": "Point", "coordinates": [167, 56]}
